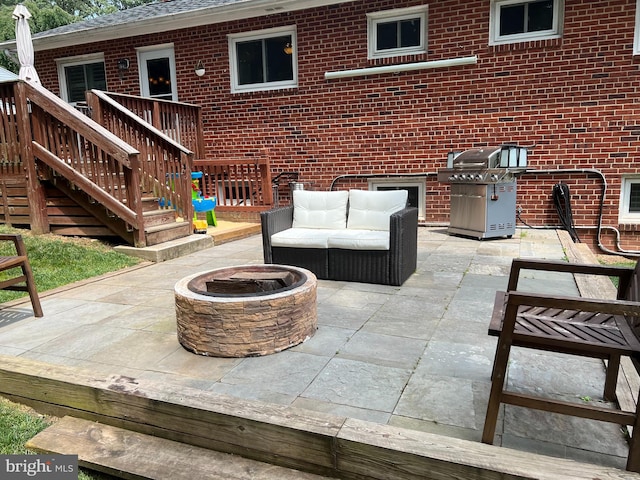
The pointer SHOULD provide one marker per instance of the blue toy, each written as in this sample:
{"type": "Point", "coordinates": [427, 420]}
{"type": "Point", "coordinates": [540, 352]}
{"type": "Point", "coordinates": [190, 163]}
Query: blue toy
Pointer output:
{"type": "Point", "coordinates": [202, 204]}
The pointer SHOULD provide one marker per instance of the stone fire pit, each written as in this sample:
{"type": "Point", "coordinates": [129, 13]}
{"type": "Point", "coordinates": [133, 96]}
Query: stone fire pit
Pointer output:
{"type": "Point", "coordinates": [246, 310]}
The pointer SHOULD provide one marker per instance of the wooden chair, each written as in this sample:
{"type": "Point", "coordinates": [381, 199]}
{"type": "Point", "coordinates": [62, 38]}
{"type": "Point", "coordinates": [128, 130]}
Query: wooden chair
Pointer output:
{"type": "Point", "coordinates": [24, 282]}
{"type": "Point", "coordinates": [597, 328]}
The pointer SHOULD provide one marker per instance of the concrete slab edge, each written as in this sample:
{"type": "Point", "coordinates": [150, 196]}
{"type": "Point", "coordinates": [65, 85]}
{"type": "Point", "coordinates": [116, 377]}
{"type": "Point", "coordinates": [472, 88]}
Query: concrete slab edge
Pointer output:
{"type": "Point", "coordinates": [168, 250]}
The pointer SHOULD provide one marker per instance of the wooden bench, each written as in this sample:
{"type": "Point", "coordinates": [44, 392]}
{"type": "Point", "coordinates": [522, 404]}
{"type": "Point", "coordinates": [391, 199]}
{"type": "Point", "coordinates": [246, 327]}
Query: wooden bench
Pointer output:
{"type": "Point", "coordinates": [598, 328]}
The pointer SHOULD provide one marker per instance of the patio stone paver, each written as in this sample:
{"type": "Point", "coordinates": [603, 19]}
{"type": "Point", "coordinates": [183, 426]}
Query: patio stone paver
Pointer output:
{"type": "Point", "coordinates": [416, 356]}
{"type": "Point", "coordinates": [289, 372]}
{"type": "Point", "coordinates": [380, 349]}
{"type": "Point", "coordinates": [359, 384]}
{"type": "Point", "coordinates": [432, 397]}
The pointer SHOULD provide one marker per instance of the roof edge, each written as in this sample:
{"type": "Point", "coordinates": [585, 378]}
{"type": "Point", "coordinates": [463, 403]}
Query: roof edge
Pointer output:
{"type": "Point", "coordinates": [193, 18]}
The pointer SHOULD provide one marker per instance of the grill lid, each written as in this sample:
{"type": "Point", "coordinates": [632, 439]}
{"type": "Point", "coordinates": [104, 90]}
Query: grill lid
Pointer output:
{"type": "Point", "coordinates": [477, 159]}
{"type": "Point", "coordinates": [484, 165]}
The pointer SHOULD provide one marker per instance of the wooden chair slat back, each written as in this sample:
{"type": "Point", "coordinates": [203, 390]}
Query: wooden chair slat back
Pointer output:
{"type": "Point", "coordinates": [633, 294]}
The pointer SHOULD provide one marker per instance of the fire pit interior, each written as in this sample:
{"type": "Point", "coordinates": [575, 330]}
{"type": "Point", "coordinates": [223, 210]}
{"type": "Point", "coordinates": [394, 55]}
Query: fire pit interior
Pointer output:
{"type": "Point", "coordinates": [246, 310]}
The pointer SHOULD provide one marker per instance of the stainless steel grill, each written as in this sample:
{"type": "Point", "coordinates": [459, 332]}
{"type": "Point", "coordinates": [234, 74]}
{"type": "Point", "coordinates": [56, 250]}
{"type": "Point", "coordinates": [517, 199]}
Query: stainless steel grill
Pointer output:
{"type": "Point", "coordinates": [483, 190]}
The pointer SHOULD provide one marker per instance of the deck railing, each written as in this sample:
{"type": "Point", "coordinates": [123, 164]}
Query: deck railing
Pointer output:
{"type": "Point", "coordinates": [182, 122]}
{"type": "Point", "coordinates": [165, 165]}
{"type": "Point", "coordinates": [10, 159]}
{"type": "Point", "coordinates": [238, 184]}
{"type": "Point", "coordinates": [90, 157]}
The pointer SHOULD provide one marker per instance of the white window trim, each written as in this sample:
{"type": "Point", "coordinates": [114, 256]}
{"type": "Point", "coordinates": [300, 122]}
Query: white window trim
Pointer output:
{"type": "Point", "coordinates": [164, 50]}
{"type": "Point", "coordinates": [624, 216]}
{"type": "Point", "coordinates": [420, 182]}
{"type": "Point", "coordinates": [71, 61]}
{"type": "Point", "coordinates": [261, 35]}
{"type": "Point", "coordinates": [374, 18]}
{"type": "Point", "coordinates": [494, 24]}
{"type": "Point", "coordinates": [636, 33]}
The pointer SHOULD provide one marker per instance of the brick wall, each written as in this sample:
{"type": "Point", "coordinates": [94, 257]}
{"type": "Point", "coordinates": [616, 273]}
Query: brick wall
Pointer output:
{"type": "Point", "coordinates": [576, 99]}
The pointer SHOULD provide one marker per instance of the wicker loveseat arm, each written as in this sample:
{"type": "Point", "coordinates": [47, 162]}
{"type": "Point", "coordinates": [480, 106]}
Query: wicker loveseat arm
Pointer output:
{"type": "Point", "coordinates": [274, 221]}
{"type": "Point", "coordinates": [403, 244]}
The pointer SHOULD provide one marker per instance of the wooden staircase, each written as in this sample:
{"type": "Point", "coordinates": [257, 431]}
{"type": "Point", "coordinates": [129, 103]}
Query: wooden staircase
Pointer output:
{"type": "Point", "coordinates": [97, 176]}
{"type": "Point", "coordinates": [101, 172]}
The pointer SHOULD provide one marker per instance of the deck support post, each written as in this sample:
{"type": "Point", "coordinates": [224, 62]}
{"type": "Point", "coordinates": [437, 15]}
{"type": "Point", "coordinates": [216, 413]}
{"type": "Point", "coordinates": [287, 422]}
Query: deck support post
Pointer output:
{"type": "Point", "coordinates": [35, 191]}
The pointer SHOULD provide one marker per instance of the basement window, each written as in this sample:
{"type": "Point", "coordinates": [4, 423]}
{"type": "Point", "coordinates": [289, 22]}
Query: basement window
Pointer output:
{"type": "Point", "coordinates": [416, 188]}
{"type": "Point", "coordinates": [513, 21]}
{"type": "Point", "coordinates": [397, 32]}
{"type": "Point", "coordinates": [263, 60]}
{"type": "Point", "coordinates": [630, 200]}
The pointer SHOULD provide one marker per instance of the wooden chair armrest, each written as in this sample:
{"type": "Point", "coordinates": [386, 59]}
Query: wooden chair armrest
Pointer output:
{"type": "Point", "coordinates": [518, 264]}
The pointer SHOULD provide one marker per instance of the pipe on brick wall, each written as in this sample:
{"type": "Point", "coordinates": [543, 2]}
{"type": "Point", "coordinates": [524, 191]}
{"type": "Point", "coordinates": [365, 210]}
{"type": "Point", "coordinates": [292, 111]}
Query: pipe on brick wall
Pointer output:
{"type": "Point", "coordinates": [603, 194]}
{"type": "Point", "coordinates": [379, 175]}
{"type": "Point", "coordinates": [405, 67]}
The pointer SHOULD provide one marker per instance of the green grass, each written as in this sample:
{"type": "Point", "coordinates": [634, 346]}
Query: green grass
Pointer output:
{"type": "Point", "coordinates": [58, 261]}
{"type": "Point", "coordinates": [55, 261]}
{"type": "Point", "coordinates": [623, 262]}
{"type": "Point", "coordinates": [18, 424]}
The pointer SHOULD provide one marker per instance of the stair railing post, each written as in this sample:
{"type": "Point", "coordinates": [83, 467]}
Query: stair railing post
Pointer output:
{"type": "Point", "coordinates": [134, 200]}
{"type": "Point", "coordinates": [265, 176]}
{"type": "Point", "coordinates": [35, 191]}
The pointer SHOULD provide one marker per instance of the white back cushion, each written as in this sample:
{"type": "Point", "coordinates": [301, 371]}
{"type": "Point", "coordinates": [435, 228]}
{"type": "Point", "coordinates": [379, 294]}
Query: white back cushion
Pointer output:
{"type": "Point", "coordinates": [370, 210]}
{"type": "Point", "coordinates": [319, 209]}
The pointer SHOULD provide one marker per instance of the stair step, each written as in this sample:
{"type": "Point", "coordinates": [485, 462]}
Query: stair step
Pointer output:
{"type": "Point", "coordinates": [165, 233]}
{"type": "Point", "coordinates": [115, 451]}
{"type": "Point", "coordinates": [149, 203]}
{"type": "Point", "coordinates": [157, 217]}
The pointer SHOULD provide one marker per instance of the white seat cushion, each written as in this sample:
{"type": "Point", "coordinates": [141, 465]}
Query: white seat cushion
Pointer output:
{"type": "Point", "coordinates": [370, 210]}
{"type": "Point", "coordinates": [319, 209]}
{"type": "Point", "coordinates": [351, 239]}
{"type": "Point", "coordinates": [303, 237]}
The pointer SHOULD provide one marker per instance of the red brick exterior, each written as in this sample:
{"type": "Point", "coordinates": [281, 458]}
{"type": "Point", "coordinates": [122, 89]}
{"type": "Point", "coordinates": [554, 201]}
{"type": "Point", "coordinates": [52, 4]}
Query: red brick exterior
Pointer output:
{"type": "Point", "coordinates": [576, 98]}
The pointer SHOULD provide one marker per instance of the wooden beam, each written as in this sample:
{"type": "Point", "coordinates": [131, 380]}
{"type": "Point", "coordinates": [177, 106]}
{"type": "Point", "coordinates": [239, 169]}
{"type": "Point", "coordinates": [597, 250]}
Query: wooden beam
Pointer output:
{"type": "Point", "coordinates": [127, 454]}
{"type": "Point", "coordinates": [285, 436]}
{"type": "Point", "coordinates": [39, 220]}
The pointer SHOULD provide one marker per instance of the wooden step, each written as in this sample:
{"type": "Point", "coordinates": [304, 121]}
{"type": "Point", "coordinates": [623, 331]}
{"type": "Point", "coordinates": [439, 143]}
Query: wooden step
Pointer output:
{"type": "Point", "coordinates": [123, 453]}
{"type": "Point", "coordinates": [166, 233]}
{"type": "Point", "coordinates": [153, 218]}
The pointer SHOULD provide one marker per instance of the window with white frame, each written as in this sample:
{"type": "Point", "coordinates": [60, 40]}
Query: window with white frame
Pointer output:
{"type": "Point", "coordinates": [630, 200]}
{"type": "Point", "coordinates": [397, 32]}
{"type": "Point", "coordinates": [514, 21]}
{"type": "Point", "coordinates": [263, 60]}
{"type": "Point", "coordinates": [415, 186]}
{"type": "Point", "coordinates": [78, 74]}
{"type": "Point", "coordinates": [157, 70]}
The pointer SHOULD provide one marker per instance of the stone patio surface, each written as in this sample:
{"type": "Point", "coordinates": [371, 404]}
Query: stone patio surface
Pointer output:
{"type": "Point", "coordinates": [416, 356]}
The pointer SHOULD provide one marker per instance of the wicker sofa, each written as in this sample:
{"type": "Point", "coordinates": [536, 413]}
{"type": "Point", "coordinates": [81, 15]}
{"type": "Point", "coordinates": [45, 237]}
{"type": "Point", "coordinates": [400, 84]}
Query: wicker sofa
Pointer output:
{"type": "Point", "coordinates": [357, 236]}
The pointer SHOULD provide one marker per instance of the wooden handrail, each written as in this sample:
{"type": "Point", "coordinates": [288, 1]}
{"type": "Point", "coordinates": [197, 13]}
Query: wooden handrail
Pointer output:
{"type": "Point", "coordinates": [180, 121]}
{"type": "Point", "coordinates": [165, 165]}
{"type": "Point", "coordinates": [92, 131]}
{"type": "Point", "coordinates": [143, 124]}
{"type": "Point", "coordinates": [79, 149]}
{"type": "Point", "coordinates": [86, 185]}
